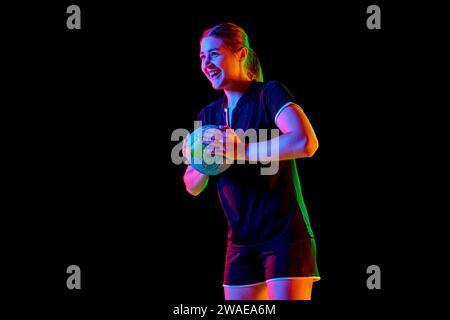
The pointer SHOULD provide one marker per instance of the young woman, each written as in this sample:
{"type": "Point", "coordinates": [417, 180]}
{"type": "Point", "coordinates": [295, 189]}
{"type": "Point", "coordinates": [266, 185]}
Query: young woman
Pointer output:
{"type": "Point", "coordinates": [271, 252]}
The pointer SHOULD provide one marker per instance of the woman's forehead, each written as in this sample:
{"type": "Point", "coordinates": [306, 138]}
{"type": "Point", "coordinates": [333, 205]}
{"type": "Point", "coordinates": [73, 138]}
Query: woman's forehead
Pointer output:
{"type": "Point", "coordinates": [210, 43]}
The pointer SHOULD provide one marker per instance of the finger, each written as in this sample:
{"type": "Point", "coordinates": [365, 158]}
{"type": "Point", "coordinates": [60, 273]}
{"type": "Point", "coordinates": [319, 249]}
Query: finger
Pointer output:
{"type": "Point", "coordinates": [213, 142]}
{"type": "Point", "coordinates": [216, 144]}
{"type": "Point", "coordinates": [215, 151]}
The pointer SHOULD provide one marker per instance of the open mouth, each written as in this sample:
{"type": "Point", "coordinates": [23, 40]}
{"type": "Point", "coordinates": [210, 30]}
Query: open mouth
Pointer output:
{"type": "Point", "coordinates": [214, 74]}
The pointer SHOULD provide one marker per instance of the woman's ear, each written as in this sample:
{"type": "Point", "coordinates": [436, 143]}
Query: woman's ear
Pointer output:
{"type": "Point", "coordinates": [243, 54]}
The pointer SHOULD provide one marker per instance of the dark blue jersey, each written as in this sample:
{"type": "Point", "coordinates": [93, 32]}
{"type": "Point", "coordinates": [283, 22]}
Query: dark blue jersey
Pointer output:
{"type": "Point", "coordinates": [259, 208]}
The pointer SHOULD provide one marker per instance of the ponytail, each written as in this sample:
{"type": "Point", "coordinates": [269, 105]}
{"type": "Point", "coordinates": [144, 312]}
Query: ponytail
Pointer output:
{"type": "Point", "coordinates": [253, 66]}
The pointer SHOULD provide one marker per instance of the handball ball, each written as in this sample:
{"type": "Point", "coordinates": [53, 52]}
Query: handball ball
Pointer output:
{"type": "Point", "coordinates": [200, 160]}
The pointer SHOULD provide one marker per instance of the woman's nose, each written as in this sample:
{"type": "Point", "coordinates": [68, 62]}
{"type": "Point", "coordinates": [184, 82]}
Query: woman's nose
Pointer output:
{"type": "Point", "coordinates": [208, 62]}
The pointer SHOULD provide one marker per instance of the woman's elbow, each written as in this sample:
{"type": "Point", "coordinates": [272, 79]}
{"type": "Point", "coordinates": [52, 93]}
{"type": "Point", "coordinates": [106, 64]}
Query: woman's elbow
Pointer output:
{"type": "Point", "coordinates": [192, 191]}
{"type": "Point", "coordinates": [191, 188]}
{"type": "Point", "coordinates": [312, 144]}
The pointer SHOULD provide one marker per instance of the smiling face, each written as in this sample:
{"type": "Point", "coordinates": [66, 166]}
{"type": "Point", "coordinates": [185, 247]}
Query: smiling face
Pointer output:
{"type": "Point", "coordinates": [220, 64]}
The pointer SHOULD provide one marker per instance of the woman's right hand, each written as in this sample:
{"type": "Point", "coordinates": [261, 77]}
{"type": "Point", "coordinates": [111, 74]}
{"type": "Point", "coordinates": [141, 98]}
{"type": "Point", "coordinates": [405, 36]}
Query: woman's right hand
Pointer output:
{"type": "Point", "coordinates": [186, 150]}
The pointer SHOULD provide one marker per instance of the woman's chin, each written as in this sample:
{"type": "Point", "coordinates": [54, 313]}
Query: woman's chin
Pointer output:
{"type": "Point", "coordinates": [216, 85]}
{"type": "Point", "coordinates": [219, 85]}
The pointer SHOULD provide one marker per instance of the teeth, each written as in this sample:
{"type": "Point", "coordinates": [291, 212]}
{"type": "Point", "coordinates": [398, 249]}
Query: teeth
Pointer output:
{"type": "Point", "coordinates": [214, 73]}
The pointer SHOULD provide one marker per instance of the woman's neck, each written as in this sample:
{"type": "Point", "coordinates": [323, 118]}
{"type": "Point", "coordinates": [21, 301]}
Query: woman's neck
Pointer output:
{"type": "Point", "coordinates": [234, 94]}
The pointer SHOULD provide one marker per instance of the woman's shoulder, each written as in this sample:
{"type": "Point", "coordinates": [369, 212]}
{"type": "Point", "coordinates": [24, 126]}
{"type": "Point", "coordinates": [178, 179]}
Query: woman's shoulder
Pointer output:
{"type": "Point", "coordinates": [272, 84]}
{"type": "Point", "coordinates": [211, 107]}
{"type": "Point", "coordinates": [273, 88]}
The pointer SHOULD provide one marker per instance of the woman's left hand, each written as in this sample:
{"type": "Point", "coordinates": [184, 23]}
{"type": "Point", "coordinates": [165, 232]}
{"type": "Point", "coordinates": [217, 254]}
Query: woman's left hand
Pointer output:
{"type": "Point", "coordinates": [225, 143]}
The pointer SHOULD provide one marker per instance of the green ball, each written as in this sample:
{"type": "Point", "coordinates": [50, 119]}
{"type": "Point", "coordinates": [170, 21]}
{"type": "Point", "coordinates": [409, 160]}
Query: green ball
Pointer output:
{"type": "Point", "coordinates": [200, 160]}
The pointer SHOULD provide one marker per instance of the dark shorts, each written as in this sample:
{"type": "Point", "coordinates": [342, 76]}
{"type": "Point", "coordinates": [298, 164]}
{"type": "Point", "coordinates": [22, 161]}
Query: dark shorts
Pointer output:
{"type": "Point", "coordinates": [285, 258]}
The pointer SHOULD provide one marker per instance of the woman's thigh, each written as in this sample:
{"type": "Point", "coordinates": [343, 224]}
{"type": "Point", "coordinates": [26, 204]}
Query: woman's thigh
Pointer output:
{"type": "Point", "coordinates": [290, 288]}
{"type": "Point", "coordinates": [249, 292]}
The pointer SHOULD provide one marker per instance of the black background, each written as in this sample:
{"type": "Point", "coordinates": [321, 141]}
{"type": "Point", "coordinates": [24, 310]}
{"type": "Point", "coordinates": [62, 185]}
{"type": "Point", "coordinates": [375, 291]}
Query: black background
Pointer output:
{"type": "Point", "coordinates": [93, 184]}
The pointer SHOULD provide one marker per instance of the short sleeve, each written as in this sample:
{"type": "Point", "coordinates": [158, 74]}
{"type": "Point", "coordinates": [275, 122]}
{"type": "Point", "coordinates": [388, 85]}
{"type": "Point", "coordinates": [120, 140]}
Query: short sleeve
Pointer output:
{"type": "Point", "coordinates": [201, 116]}
{"type": "Point", "coordinates": [276, 98]}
